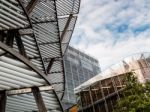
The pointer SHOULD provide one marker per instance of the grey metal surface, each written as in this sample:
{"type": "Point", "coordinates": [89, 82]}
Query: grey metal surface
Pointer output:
{"type": "Point", "coordinates": [29, 41]}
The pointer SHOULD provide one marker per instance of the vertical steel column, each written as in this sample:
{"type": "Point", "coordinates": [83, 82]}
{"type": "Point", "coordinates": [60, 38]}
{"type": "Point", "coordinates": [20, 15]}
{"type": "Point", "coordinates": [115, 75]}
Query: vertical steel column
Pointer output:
{"type": "Point", "coordinates": [81, 101]}
{"type": "Point", "coordinates": [91, 99]}
{"type": "Point", "coordinates": [39, 99]}
{"type": "Point", "coordinates": [105, 103]}
{"type": "Point", "coordinates": [1, 36]}
{"type": "Point", "coordinates": [10, 38]}
{"type": "Point", "coordinates": [115, 86]}
{"type": "Point", "coordinates": [121, 84]}
{"type": "Point", "coordinates": [20, 44]}
{"type": "Point", "coordinates": [3, 98]}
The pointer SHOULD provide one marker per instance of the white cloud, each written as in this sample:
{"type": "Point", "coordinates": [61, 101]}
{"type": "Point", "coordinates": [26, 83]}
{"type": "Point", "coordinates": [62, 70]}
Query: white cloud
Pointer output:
{"type": "Point", "coordinates": [98, 31]}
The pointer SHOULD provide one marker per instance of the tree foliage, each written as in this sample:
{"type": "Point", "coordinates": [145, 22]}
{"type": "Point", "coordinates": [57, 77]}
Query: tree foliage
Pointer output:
{"type": "Point", "coordinates": [136, 96]}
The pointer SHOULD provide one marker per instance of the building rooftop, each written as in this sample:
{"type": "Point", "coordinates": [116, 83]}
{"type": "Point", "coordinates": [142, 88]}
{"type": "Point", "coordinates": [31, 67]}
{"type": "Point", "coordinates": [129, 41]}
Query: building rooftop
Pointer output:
{"type": "Point", "coordinates": [121, 67]}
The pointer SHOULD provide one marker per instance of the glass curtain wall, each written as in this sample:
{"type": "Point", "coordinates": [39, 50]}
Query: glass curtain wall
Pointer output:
{"type": "Point", "coordinates": [79, 67]}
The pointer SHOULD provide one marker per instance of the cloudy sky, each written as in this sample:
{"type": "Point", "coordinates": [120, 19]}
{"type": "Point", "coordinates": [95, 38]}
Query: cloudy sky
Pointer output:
{"type": "Point", "coordinates": [110, 30]}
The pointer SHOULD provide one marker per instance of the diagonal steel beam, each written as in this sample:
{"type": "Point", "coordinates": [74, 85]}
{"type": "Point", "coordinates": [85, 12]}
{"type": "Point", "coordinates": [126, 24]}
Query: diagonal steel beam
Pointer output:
{"type": "Point", "coordinates": [50, 65]}
{"type": "Point", "coordinates": [66, 27]}
{"type": "Point", "coordinates": [31, 6]}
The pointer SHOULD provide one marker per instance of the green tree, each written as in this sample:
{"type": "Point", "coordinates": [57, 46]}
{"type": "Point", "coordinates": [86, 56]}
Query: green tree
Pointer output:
{"type": "Point", "coordinates": [135, 96]}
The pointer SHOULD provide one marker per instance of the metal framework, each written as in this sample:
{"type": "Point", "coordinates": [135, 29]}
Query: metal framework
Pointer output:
{"type": "Point", "coordinates": [100, 93]}
{"type": "Point", "coordinates": [34, 35]}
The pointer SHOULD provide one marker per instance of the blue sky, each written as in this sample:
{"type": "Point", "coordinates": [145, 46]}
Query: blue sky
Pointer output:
{"type": "Point", "coordinates": [110, 30]}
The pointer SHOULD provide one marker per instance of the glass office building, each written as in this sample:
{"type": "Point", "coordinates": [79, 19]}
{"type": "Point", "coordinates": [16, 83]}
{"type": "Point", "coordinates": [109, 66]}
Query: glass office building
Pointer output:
{"type": "Point", "coordinates": [79, 67]}
{"type": "Point", "coordinates": [100, 93]}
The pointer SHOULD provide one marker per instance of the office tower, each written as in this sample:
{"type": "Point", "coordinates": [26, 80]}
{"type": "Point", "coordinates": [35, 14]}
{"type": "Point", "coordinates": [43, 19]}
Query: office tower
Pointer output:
{"type": "Point", "coordinates": [79, 67]}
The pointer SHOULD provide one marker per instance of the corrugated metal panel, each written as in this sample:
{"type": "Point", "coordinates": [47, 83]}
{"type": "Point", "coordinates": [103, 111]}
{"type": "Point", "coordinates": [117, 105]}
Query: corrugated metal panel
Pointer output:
{"type": "Point", "coordinates": [38, 38]}
{"type": "Point", "coordinates": [12, 15]}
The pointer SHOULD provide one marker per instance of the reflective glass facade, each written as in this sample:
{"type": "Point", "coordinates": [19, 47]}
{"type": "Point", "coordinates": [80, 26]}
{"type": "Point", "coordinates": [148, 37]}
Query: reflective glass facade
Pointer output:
{"type": "Point", "coordinates": [79, 67]}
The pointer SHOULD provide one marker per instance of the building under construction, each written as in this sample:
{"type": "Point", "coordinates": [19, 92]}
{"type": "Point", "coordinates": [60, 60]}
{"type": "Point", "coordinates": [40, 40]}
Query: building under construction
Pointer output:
{"type": "Point", "coordinates": [34, 35]}
{"type": "Point", "coordinates": [100, 93]}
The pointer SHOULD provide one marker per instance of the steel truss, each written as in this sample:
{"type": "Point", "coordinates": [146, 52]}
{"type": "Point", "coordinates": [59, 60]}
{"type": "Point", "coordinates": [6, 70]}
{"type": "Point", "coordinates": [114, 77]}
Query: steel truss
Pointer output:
{"type": "Point", "coordinates": [34, 35]}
